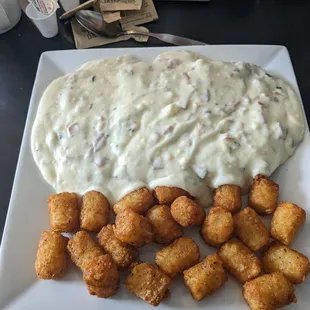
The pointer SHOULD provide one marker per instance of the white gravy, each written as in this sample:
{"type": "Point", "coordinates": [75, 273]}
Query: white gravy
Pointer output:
{"type": "Point", "coordinates": [116, 125]}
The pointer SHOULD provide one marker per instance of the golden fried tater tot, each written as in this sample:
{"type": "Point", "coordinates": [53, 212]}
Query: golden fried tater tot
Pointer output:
{"type": "Point", "coordinates": [239, 260]}
{"type": "Point", "coordinates": [217, 227]}
{"type": "Point", "coordinates": [102, 292]}
{"type": "Point", "coordinates": [102, 276]}
{"type": "Point", "coordinates": [165, 228]}
{"type": "Point", "coordinates": [178, 256]}
{"type": "Point", "coordinates": [51, 261]}
{"type": "Point", "coordinates": [148, 283]}
{"type": "Point", "coordinates": [83, 249]}
{"type": "Point", "coordinates": [269, 292]}
{"type": "Point", "coordinates": [122, 253]}
{"type": "Point", "coordinates": [205, 278]}
{"type": "Point", "coordinates": [263, 196]}
{"type": "Point", "coordinates": [63, 212]}
{"type": "Point", "coordinates": [139, 201]}
{"type": "Point", "coordinates": [132, 228]}
{"type": "Point", "coordinates": [95, 211]}
{"type": "Point", "coordinates": [286, 221]}
{"type": "Point", "coordinates": [294, 265]}
{"type": "Point", "coordinates": [166, 195]}
{"type": "Point", "coordinates": [187, 212]}
{"type": "Point", "coordinates": [228, 197]}
{"type": "Point", "coordinates": [250, 229]}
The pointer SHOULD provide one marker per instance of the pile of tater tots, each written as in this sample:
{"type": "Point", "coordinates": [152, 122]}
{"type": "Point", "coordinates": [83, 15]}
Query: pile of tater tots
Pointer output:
{"type": "Point", "coordinates": [266, 268]}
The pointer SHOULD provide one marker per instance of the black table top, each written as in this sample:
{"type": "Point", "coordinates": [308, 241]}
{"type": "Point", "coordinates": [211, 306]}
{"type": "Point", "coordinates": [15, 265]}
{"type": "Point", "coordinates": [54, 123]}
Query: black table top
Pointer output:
{"type": "Point", "coordinates": [282, 22]}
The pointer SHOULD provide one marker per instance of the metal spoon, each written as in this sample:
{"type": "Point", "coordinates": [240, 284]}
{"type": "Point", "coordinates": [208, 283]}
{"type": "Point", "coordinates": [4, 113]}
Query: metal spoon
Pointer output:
{"type": "Point", "coordinates": [93, 21]}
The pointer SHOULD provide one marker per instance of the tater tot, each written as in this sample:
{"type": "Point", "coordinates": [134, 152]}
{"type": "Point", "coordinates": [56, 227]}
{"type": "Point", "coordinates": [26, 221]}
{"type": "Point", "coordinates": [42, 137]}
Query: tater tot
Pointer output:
{"type": "Point", "coordinates": [148, 283]}
{"type": "Point", "coordinates": [51, 261]}
{"type": "Point", "coordinates": [187, 212]}
{"type": "Point", "coordinates": [239, 260]}
{"type": "Point", "coordinates": [250, 229]}
{"type": "Point", "coordinates": [165, 228]}
{"type": "Point", "coordinates": [228, 197]}
{"type": "Point", "coordinates": [122, 253]}
{"type": "Point", "coordinates": [269, 292]}
{"type": "Point", "coordinates": [294, 265]}
{"type": "Point", "coordinates": [263, 196]}
{"type": "Point", "coordinates": [205, 278]}
{"type": "Point", "coordinates": [101, 276]}
{"type": "Point", "coordinates": [83, 249]}
{"type": "Point", "coordinates": [178, 256]}
{"type": "Point", "coordinates": [63, 212]}
{"type": "Point", "coordinates": [95, 211]}
{"type": "Point", "coordinates": [217, 227]}
{"type": "Point", "coordinates": [165, 195]}
{"type": "Point", "coordinates": [286, 221]}
{"type": "Point", "coordinates": [132, 228]}
{"type": "Point", "coordinates": [139, 201]}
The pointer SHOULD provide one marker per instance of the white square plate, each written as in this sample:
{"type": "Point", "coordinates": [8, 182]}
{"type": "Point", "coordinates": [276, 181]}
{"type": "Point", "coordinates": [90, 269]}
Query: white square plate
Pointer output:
{"type": "Point", "coordinates": [28, 215]}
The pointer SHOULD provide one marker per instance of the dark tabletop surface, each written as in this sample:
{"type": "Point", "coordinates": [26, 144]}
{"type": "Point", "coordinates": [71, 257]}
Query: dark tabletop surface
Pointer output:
{"type": "Point", "coordinates": [218, 22]}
